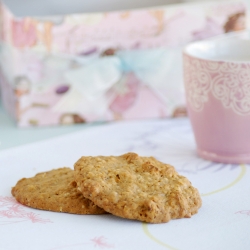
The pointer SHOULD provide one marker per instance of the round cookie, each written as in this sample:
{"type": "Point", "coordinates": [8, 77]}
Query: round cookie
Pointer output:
{"type": "Point", "coordinates": [135, 187]}
{"type": "Point", "coordinates": [56, 191]}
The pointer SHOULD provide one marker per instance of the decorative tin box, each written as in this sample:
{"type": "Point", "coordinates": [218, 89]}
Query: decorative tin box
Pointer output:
{"type": "Point", "coordinates": [65, 68]}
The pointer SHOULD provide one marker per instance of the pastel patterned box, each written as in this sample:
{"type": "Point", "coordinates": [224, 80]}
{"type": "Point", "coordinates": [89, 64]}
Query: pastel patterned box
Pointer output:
{"type": "Point", "coordinates": [102, 66]}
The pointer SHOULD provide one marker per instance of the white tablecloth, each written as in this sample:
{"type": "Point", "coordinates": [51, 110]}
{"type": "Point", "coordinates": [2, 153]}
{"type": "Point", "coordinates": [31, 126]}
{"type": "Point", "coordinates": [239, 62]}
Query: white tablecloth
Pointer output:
{"type": "Point", "coordinates": [223, 221]}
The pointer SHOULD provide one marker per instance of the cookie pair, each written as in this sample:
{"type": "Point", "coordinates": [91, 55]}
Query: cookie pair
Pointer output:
{"type": "Point", "coordinates": [128, 186]}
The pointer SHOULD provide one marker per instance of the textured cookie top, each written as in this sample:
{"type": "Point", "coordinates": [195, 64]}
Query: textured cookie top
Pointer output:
{"type": "Point", "coordinates": [54, 190]}
{"type": "Point", "coordinates": [136, 187]}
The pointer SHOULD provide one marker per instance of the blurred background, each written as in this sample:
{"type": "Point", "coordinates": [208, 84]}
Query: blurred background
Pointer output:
{"type": "Point", "coordinates": [58, 68]}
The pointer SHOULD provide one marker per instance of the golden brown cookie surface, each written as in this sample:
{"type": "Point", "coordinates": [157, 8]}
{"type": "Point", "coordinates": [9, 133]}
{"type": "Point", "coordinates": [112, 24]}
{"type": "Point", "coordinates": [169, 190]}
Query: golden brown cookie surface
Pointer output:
{"type": "Point", "coordinates": [56, 191]}
{"type": "Point", "coordinates": [134, 187]}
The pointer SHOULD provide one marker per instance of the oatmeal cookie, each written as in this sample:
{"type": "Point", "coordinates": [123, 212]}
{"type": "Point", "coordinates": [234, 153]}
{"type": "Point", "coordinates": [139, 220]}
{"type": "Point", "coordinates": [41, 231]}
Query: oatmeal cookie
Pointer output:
{"type": "Point", "coordinates": [54, 190]}
{"type": "Point", "coordinates": [135, 187]}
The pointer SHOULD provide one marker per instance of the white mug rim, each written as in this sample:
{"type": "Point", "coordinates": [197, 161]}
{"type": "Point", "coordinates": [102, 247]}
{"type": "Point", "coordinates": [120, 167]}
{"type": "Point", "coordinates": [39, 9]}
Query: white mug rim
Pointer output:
{"type": "Point", "coordinates": [200, 49]}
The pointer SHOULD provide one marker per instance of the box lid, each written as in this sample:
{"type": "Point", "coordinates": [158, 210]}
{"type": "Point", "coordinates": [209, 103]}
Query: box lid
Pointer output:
{"type": "Point", "coordinates": [23, 8]}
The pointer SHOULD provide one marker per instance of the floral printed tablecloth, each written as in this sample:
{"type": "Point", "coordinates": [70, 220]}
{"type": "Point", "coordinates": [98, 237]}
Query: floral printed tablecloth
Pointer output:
{"type": "Point", "coordinates": [223, 222]}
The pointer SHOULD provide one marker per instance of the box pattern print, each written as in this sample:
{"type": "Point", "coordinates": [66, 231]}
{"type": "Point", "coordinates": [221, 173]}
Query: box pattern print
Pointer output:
{"type": "Point", "coordinates": [104, 66]}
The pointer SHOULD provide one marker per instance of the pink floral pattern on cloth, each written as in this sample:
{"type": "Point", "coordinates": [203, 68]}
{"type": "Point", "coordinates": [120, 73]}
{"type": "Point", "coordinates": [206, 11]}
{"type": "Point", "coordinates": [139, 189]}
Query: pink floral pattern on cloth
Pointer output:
{"type": "Point", "coordinates": [99, 242]}
{"type": "Point", "coordinates": [246, 212]}
{"type": "Point", "coordinates": [14, 212]}
{"type": "Point", "coordinates": [228, 82]}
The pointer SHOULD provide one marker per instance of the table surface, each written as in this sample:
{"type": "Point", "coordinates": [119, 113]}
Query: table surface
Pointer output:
{"type": "Point", "coordinates": [223, 221]}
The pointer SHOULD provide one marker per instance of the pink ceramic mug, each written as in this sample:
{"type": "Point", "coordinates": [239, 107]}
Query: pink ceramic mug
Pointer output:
{"type": "Point", "coordinates": [217, 85]}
